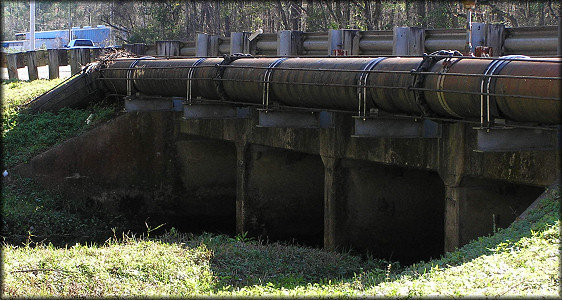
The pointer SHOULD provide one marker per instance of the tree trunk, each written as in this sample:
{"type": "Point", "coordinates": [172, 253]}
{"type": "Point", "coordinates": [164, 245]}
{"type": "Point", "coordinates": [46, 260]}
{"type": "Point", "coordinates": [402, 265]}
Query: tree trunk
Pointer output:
{"type": "Point", "coordinates": [421, 13]}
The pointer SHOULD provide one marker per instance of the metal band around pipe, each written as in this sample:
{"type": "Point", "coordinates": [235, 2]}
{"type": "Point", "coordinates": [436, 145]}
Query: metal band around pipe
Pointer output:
{"type": "Point", "coordinates": [190, 76]}
{"type": "Point", "coordinates": [493, 68]}
{"type": "Point", "coordinates": [266, 80]}
{"type": "Point", "coordinates": [440, 82]}
{"type": "Point", "coordinates": [130, 73]}
{"type": "Point", "coordinates": [362, 89]}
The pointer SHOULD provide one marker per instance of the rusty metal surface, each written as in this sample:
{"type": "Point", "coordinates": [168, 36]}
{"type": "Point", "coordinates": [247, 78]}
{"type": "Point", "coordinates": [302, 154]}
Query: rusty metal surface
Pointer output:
{"type": "Point", "coordinates": [118, 74]}
{"type": "Point", "coordinates": [243, 79]}
{"type": "Point", "coordinates": [518, 89]}
{"type": "Point", "coordinates": [527, 109]}
{"type": "Point", "coordinates": [174, 80]}
{"type": "Point", "coordinates": [318, 87]}
{"type": "Point", "coordinates": [456, 104]}
{"type": "Point", "coordinates": [391, 80]}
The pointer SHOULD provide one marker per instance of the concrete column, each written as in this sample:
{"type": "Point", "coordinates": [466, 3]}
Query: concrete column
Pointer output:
{"type": "Point", "coordinates": [453, 196]}
{"type": "Point", "coordinates": [239, 42]}
{"type": "Point", "coordinates": [32, 65]}
{"type": "Point", "coordinates": [53, 63]}
{"type": "Point", "coordinates": [451, 171]}
{"type": "Point", "coordinates": [333, 198]}
{"type": "Point", "coordinates": [242, 171]}
{"type": "Point", "coordinates": [289, 43]}
{"type": "Point", "coordinates": [341, 40]}
{"type": "Point", "coordinates": [12, 61]}
{"type": "Point", "coordinates": [408, 41]}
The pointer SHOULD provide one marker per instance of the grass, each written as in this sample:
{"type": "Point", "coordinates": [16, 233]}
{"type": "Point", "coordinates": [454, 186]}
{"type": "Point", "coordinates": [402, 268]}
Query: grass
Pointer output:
{"type": "Point", "coordinates": [48, 249]}
{"type": "Point", "coordinates": [27, 210]}
{"type": "Point", "coordinates": [521, 260]}
{"type": "Point", "coordinates": [26, 135]}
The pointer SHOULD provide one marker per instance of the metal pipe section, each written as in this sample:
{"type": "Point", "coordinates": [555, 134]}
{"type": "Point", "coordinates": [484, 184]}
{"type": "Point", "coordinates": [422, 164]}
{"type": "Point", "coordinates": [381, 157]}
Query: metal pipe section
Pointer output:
{"type": "Point", "coordinates": [519, 89]}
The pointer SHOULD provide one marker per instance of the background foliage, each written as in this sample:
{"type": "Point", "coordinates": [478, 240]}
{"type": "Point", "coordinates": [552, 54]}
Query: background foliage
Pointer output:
{"type": "Point", "coordinates": [148, 21]}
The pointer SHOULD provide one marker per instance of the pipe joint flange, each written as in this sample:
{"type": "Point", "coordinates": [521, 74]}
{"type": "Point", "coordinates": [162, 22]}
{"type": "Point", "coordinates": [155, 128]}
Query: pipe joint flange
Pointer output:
{"type": "Point", "coordinates": [221, 67]}
{"type": "Point", "coordinates": [427, 62]}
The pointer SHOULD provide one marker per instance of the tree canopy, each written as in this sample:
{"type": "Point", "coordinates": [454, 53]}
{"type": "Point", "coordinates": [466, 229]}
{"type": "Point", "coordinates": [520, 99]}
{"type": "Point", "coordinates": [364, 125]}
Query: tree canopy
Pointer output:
{"type": "Point", "coordinates": [148, 21]}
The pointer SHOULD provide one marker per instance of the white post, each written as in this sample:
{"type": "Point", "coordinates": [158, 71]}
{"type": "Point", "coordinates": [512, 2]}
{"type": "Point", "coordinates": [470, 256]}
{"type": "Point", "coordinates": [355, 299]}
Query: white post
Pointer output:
{"type": "Point", "coordinates": [32, 25]}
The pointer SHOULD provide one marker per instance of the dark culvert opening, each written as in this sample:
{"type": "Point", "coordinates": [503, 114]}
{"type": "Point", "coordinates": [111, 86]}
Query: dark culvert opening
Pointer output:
{"type": "Point", "coordinates": [206, 202]}
{"type": "Point", "coordinates": [392, 212]}
{"type": "Point", "coordinates": [285, 196]}
{"type": "Point", "coordinates": [491, 205]}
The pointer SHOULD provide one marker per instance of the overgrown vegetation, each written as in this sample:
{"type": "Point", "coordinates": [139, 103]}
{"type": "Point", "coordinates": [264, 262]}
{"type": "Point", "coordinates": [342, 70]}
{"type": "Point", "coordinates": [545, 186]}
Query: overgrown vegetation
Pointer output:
{"type": "Point", "coordinates": [25, 135]}
{"type": "Point", "coordinates": [27, 211]}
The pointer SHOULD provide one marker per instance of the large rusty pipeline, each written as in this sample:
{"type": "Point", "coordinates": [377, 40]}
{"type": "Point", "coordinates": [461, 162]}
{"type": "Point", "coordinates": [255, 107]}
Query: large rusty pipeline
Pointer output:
{"type": "Point", "coordinates": [518, 88]}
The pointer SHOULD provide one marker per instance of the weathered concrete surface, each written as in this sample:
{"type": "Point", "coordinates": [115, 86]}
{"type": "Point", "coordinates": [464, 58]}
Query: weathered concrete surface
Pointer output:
{"type": "Point", "coordinates": [131, 151]}
{"type": "Point", "coordinates": [136, 166]}
{"type": "Point", "coordinates": [453, 153]}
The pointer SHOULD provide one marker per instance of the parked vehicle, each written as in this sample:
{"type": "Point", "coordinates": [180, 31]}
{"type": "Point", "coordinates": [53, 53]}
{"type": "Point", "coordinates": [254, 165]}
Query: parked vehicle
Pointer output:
{"type": "Point", "coordinates": [80, 43]}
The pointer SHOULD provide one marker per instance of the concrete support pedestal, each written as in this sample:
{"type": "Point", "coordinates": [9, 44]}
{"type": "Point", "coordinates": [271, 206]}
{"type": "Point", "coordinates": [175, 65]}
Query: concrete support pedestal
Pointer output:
{"type": "Point", "coordinates": [333, 198]}
{"type": "Point", "coordinates": [451, 172]}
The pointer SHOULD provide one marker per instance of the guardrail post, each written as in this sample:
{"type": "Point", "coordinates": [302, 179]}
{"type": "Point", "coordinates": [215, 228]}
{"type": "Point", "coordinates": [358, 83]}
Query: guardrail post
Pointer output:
{"type": "Point", "coordinates": [53, 63]}
{"type": "Point", "coordinates": [289, 43]}
{"type": "Point", "coordinates": [239, 42]}
{"type": "Point", "coordinates": [96, 52]}
{"type": "Point", "coordinates": [495, 37]}
{"type": "Point", "coordinates": [478, 34]}
{"type": "Point", "coordinates": [12, 61]}
{"type": "Point", "coordinates": [202, 44]}
{"type": "Point", "coordinates": [408, 41]}
{"type": "Point", "coordinates": [136, 48]}
{"type": "Point", "coordinates": [85, 56]}
{"type": "Point", "coordinates": [32, 65]}
{"type": "Point", "coordinates": [559, 49]}
{"type": "Point", "coordinates": [340, 41]}
{"type": "Point", "coordinates": [207, 45]}
{"type": "Point", "coordinates": [168, 48]}
{"type": "Point", "coordinates": [74, 61]}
